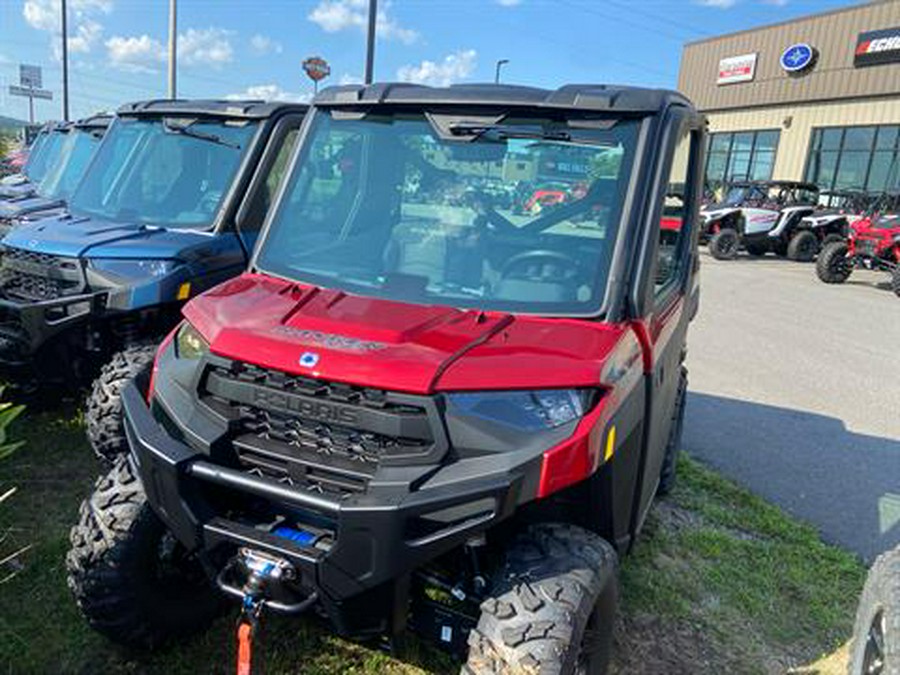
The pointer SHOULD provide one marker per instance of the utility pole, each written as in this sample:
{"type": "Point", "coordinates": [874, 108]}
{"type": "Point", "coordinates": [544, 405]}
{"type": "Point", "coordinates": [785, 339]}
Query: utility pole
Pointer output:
{"type": "Point", "coordinates": [370, 41]}
{"type": "Point", "coordinates": [65, 64]}
{"type": "Point", "coordinates": [173, 39]}
{"type": "Point", "coordinates": [501, 62]}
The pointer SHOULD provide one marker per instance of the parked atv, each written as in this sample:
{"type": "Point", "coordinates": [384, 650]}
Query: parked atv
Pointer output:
{"type": "Point", "coordinates": [44, 153]}
{"type": "Point", "coordinates": [874, 243]}
{"type": "Point", "coordinates": [830, 222]}
{"type": "Point", "coordinates": [410, 412]}
{"type": "Point", "coordinates": [875, 648]}
{"type": "Point", "coordinates": [760, 216]}
{"type": "Point", "coordinates": [49, 198]}
{"type": "Point", "coordinates": [169, 206]}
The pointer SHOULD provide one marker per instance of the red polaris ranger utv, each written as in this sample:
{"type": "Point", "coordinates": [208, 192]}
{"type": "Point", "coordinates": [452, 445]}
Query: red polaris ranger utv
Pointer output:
{"type": "Point", "coordinates": [415, 411]}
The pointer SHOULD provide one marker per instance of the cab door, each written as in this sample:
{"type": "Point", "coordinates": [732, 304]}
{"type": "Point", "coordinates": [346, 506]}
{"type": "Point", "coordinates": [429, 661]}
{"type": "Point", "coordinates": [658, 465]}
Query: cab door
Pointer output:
{"type": "Point", "coordinates": [667, 291]}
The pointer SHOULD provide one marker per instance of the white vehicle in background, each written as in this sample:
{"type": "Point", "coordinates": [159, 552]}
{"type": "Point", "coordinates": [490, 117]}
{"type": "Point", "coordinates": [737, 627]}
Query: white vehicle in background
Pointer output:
{"type": "Point", "coordinates": [760, 216]}
{"type": "Point", "coordinates": [831, 222]}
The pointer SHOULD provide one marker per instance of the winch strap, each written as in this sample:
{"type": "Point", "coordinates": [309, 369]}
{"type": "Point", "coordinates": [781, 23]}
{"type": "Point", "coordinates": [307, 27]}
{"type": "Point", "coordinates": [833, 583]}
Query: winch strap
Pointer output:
{"type": "Point", "coordinates": [244, 635]}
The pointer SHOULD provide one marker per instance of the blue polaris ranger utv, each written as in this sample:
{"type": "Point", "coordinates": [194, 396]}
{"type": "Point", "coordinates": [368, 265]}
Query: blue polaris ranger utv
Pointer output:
{"type": "Point", "coordinates": [170, 206]}
{"type": "Point", "coordinates": [80, 140]}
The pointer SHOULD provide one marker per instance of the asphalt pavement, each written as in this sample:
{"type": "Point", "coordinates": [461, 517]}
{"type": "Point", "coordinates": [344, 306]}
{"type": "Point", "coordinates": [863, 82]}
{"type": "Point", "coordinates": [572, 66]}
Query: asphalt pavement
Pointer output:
{"type": "Point", "coordinates": [795, 394]}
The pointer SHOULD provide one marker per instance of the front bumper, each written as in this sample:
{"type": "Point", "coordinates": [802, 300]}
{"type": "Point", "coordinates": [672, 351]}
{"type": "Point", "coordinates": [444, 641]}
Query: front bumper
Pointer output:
{"type": "Point", "coordinates": [25, 327]}
{"type": "Point", "coordinates": [360, 546]}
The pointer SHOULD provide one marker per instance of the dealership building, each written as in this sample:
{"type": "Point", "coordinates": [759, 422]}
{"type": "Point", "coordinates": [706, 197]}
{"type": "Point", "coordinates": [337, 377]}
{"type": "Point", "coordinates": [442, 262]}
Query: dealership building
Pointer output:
{"type": "Point", "coordinates": [816, 99]}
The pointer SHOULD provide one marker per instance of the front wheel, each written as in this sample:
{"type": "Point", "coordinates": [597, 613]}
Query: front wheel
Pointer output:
{"type": "Point", "coordinates": [132, 580]}
{"type": "Point", "coordinates": [552, 606]}
{"type": "Point", "coordinates": [875, 648]}
{"type": "Point", "coordinates": [103, 411]}
{"type": "Point", "coordinates": [833, 266]}
{"type": "Point", "coordinates": [803, 246]}
{"type": "Point", "coordinates": [724, 244]}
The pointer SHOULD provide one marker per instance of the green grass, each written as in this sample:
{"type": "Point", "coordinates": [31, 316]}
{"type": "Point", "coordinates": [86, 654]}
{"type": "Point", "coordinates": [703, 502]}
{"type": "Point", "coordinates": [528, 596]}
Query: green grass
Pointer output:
{"type": "Point", "coordinates": [717, 575]}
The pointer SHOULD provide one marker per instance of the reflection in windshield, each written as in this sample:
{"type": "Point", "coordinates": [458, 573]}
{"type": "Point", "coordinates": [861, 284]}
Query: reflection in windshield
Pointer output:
{"type": "Point", "coordinates": [46, 155]}
{"type": "Point", "coordinates": [74, 154]}
{"type": "Point", "coordinates": [149, 175]}
{"type": "Point", "coordinates": [518, 220]}
{"type": "Point", "coordinates": [34, 152]}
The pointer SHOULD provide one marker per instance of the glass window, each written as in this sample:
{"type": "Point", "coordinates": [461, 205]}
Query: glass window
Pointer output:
{"type": "Point", "coordinates": [77, 150]}
{"type": "Point", "coordinates": [864, 158]}
{"type": "Point", "coordinates": [671, 226]}
{"type": "Point", "coordinates": [419, 210]}
{"type": "Point", "coordinates": [741, 155]}
{"type": "Point", "coordinates": [262, 199]}
{"type": "Point", "coordinates": [170, 172]}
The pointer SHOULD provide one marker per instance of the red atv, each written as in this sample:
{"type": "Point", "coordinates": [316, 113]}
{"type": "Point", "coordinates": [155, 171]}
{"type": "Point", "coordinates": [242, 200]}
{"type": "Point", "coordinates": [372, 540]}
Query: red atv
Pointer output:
{"type": "Point", "coordinates": [873, 243]}
{"type": "Point", "coordinates": [415, 413]}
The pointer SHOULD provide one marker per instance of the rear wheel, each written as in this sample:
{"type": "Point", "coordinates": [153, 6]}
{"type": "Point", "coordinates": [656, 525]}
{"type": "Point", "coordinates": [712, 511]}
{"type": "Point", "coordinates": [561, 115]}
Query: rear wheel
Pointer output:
{"type": "Point", "coordinates": [132, 580]}
{"type": "Point", "coordinates": [103, 412]}
{"type": "Point", "coordinates": [895, 281]}
{"type": "Point", "coordinates": [833, 266]}
{"type": "Point", "coordinates": [875, 648]}
{"type": "Point", "coordinates": [803, 246]}
{"type": "Point", "coordinates": [724, 245]}
{"type": "Point", "coordinates": [552, 606]}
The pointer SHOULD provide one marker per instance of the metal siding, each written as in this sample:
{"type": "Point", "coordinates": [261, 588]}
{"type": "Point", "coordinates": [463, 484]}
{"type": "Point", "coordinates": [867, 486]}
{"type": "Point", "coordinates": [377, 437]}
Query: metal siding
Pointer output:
{"type": "Point", "coordinates": [833, 76]}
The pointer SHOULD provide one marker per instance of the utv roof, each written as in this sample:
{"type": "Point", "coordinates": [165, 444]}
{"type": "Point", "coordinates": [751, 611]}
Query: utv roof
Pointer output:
{"type": "Point", "coordinates": [96, 122]}
{"type": "Point", "coordinates": [244, 109]}
{"type": "Point", "coordinates": [591, 97]}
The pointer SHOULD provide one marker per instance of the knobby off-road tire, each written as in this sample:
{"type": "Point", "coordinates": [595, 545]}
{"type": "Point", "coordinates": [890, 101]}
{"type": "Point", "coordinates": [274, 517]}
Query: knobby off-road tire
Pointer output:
{"type": "Point", "coordinates": [803, 247]}
{"type": "Point", "coordinates": [667, 474]}
{"type": "Point", "coordinates": [876, 634]}
{"type": "Point", "coordinates": [132, 581]}
{"type": "Point", "coordinates": [895, 281]}
{"type": "Point", "coordinates": [103, 411]}
{"type": "Point", "coordinates": [833, 239]}
{"type": "Point", "coordinates": [832, 266]}
{"type": "Point", "coordinates": [552, 606]}
{"type": "Point", "coordinates": [724, 244]}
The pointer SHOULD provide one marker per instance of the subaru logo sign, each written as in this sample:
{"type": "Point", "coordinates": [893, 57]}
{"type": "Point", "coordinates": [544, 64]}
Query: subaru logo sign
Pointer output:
{"type": "Point", "coordinates": [797, 57]}
{"type": "Point", "coordinates": [309, 359]}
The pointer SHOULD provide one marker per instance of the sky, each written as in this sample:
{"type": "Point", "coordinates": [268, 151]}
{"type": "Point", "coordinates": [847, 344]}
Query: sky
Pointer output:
{"type": "Point", "coordinates": [254, 48]}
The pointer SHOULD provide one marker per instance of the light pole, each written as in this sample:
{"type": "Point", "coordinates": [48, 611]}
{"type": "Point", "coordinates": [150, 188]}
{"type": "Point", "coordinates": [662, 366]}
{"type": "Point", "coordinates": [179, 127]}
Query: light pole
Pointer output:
{"type": "Point", "coordinates": [370, 42]}
{"type": "Point", "coordinates": [173, 39]}
{"type": "Point", "coordinates": [65, 64]}
{"type": "Point", "coordinates": [500, 63]}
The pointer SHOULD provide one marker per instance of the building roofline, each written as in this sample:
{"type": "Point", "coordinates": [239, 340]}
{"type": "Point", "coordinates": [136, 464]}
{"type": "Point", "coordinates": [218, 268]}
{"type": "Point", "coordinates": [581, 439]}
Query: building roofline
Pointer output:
{"type": "Point", "coordinates": [798, 19]}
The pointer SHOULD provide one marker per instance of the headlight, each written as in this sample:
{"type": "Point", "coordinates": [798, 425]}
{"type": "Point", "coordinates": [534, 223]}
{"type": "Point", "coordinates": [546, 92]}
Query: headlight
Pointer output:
{"type": "Point", "coordinates": [189, 344]}
{"type": "Point", "coordinates": [525, 410]}
{"type": "Point", "coordinates": [125, 268]}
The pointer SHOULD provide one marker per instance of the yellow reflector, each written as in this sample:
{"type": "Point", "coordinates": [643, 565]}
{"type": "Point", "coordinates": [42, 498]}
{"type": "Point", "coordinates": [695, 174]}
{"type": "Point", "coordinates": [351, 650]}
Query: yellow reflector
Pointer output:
{"type": "Point", "coordinates": [184, 291]}
{"type": "Point", "coordinates": [610, 443]}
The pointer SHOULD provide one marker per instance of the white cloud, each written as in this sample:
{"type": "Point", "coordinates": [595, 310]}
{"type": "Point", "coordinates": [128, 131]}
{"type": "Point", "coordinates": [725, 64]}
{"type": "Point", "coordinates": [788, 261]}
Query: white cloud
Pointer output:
{"type": "Point", "coordinates": [347, 78]}
{"type": "Point", "coordinates": [776, 3]}
{"type": "Point", "coordinates": [142, 54]}
{"type": "Point", "coordinates": [509, 3]}
{"type": "Point", "coordinates": [456, 66]}
{"type": "Point", "coordinates": [719, 4]}
{"type": "Point", "coordinates": [262, 45]}
{"type": "Point", "coordinates": [270, 92]}
{"type": "Point", "coordinates": [205, 47]}
{"type": "Point", "coordinates": [333, 16]}
{"type": "Point", "coordinates": [145, 54]}
{"type": "Point", "coordinates": [84, 29]}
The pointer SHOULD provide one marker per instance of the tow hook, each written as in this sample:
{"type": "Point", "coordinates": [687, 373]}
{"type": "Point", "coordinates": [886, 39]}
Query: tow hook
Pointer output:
{"type": "Point", "coordinates": [265, 577]}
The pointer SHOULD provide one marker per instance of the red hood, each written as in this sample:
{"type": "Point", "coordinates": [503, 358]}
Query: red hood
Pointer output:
{"type": "Point", "coordinates": [398, 346]}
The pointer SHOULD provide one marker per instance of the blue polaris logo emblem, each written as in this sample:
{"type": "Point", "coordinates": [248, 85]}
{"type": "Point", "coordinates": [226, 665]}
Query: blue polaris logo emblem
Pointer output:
{"type": "Point", "coordinates": [309, 359]}
{"type": "Point", "coordinates": [797, 57]}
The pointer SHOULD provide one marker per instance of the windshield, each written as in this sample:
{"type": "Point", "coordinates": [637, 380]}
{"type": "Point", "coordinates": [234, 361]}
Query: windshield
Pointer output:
{"type": "Point", "coordinates": [74, 155]}
{"type": "Point", "coordinates": [34, 151]}
{"type": "Point", "coordinates": [518, 217]}
{"type": "Point", "coordinates": [164, 172]}
{"type": "Point", "coordinates": [45, 156]}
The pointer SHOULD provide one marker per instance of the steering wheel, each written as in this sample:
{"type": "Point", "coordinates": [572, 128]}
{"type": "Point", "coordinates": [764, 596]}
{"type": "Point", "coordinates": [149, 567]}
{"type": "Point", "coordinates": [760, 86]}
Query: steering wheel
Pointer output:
{"type": "Point", "coordinates": [523, 259]}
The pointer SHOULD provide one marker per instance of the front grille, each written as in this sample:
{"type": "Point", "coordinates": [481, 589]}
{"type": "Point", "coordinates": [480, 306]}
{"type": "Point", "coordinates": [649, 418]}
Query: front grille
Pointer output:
{"type": "Point", "coordinates": [34, 276]}
{"type": "Point", "coordinates": [323, 436]}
